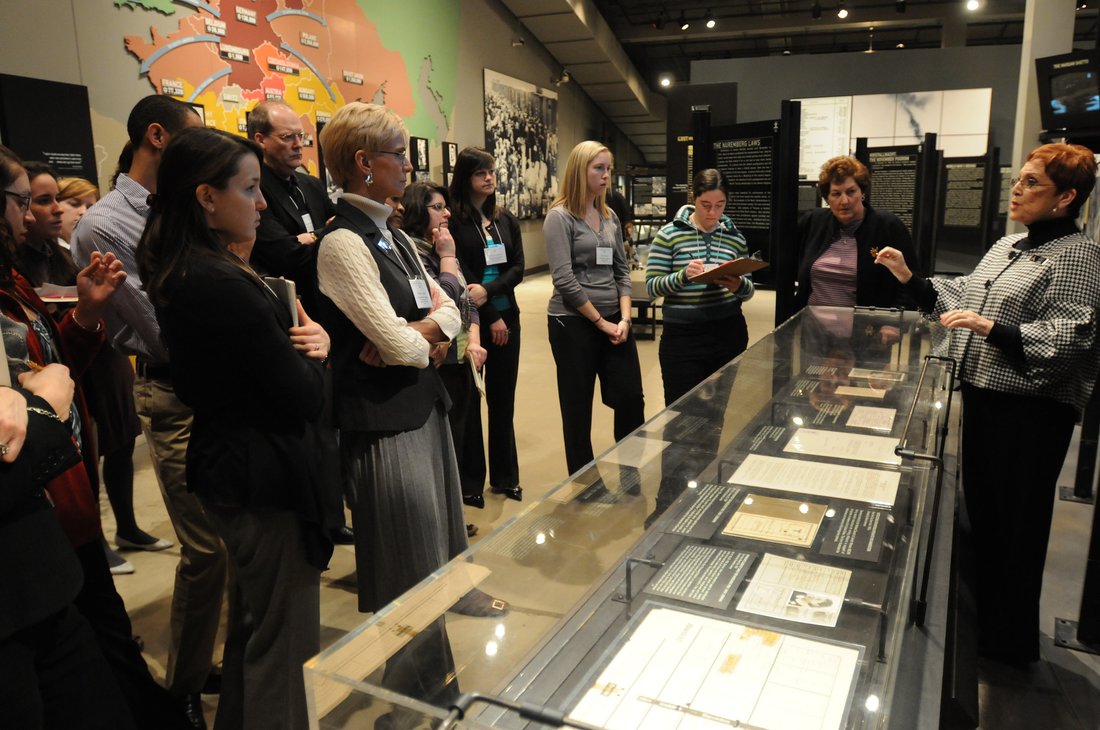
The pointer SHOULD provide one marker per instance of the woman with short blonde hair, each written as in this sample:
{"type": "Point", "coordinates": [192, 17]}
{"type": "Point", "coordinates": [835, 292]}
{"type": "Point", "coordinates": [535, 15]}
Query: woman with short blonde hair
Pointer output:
{"type": "Point", "coordinates": [589, 312]}
{"type": "Point", "coordinates": [387, 318]}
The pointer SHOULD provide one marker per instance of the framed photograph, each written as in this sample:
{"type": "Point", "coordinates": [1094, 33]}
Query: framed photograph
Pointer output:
{"type": "Point", "coordinates": [418, 154]}
{"type": "Point", "coordinates": [521, 132]}
{"type": "Point", "coordinates": [450, 157]}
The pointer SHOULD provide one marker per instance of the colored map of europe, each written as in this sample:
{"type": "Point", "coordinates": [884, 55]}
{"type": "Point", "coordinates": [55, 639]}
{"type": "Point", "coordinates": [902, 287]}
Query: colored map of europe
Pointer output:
{"type": "Point", "coordinates": [227, 55]}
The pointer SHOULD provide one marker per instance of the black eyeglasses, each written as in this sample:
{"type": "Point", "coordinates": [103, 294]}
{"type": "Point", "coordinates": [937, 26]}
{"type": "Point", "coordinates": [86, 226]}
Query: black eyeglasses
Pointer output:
{"type": "Point", "coordinates": [402, 156]}
{"type": "Point", "coordinates": [24, 200]}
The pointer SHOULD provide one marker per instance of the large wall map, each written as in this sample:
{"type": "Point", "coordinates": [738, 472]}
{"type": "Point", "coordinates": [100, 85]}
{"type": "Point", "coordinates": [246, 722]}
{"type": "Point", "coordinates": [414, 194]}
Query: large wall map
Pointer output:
{"type": "Point", "coordinates": [314, 54]}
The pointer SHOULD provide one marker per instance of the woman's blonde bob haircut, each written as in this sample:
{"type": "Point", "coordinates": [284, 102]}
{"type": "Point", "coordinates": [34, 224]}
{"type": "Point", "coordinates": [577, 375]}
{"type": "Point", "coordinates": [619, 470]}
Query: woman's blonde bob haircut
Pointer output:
{"type": "Point", "coordinates": [75, 187]}
{"type": "Point", "coordinates": [358, 126]}
{"type": "Point", "coordinates": [573, 193]}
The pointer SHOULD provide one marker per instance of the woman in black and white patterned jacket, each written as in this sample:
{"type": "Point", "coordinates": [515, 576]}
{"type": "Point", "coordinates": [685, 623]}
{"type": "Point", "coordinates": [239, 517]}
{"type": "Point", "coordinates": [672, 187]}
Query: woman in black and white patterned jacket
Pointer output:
{"type": "Point", "coordinates": [1024, 331]}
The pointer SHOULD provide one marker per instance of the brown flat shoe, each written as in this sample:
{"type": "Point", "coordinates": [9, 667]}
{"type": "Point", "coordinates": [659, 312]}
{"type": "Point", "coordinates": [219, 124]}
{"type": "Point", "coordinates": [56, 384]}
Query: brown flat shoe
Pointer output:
{"type": "Point", "coordinates": [481, 604]}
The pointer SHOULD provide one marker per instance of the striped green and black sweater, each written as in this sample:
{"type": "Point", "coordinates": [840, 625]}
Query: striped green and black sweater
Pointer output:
{"type": "Point", "coordinates": [673, 248]}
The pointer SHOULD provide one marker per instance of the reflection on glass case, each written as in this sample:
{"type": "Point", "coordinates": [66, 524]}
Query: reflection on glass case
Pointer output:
{"type": "Point", "coordinates": [751, 557]}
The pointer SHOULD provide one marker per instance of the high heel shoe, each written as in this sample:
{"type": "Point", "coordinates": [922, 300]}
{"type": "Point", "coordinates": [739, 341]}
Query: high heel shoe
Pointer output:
{"type": "Point", "coordinates": [515, 493]}
{"type": "Point", "coordinates": [474, 500]}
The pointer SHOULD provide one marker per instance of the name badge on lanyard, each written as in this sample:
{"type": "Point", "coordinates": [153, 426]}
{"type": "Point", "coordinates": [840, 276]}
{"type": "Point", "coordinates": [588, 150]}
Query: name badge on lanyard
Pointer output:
{"type": "Point", "coordinates": [420, 292]}
{"type": "Point", "coordinates": [307, 221]}
{"type": "Point", "coordinates": [604, 255]}
{"type": "Point", "coordinates": [495, 254]}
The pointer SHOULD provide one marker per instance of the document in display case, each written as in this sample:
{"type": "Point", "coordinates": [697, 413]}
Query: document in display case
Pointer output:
{"type": "Point", "coordinates": [750, 558]}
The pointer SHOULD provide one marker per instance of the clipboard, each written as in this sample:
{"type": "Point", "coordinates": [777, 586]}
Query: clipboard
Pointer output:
{"type": "Point", "coordinates": [737, 267]}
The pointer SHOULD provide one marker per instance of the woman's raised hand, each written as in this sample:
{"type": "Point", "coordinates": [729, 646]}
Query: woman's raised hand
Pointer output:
{"type": "Point", "coordinates": [894, 260]}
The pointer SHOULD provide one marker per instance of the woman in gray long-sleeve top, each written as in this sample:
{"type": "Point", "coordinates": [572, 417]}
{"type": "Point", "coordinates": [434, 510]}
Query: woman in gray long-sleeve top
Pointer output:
{"type": "Point", "coordinates": [589, 312]}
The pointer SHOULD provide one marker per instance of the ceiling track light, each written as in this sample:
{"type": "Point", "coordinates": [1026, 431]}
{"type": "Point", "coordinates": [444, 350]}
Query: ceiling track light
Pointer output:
{"type": "Point", "coordinates": [684, 24]}
{"type": "Point", "coordinates": [841, 11]}
{"type": "Point", "coordinates": [870, 40]}
{"type": "Point", "coordinates": [815, 11]}
{"type": "Point", "coordinates": [711, 21]}
{"type": "Point", "coordinates": [972, 5]}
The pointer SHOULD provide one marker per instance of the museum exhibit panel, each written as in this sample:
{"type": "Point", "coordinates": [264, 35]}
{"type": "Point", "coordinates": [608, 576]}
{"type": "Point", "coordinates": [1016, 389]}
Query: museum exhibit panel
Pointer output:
{"type": "Point", "coordinates": [757, 553]}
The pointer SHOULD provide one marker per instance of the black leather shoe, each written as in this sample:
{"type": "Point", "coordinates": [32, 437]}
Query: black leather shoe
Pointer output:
{"type": "Point", "coordinates": [481, 604]}
{"type": "Point", "coordinates": [471, 529]}
{"type": "Point", "coordinates": [213, 683]}
{"type": "Point", "coordinates": [343, 536]}
{"type": "Point", "coordinates": [474, 500]}
{"type": "Point", "coordinates": [192, 709]}
{"type": "Point", "coordinates": [515, 493]}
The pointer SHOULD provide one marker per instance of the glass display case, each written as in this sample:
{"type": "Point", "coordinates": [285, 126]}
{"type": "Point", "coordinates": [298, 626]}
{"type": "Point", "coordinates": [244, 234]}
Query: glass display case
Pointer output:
{"type": "Point", "coordinates": [754, 556]}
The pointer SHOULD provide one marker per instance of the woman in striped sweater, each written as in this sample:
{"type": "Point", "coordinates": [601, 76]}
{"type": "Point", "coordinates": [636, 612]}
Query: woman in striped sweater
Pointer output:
{"type": "Point", "coordinates": [703, 324]}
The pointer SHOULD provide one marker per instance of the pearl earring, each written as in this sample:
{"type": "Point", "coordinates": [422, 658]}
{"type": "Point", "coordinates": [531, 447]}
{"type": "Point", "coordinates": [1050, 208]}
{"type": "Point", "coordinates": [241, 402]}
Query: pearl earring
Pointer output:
{"type": "Point", "coordinates": [369, 179]}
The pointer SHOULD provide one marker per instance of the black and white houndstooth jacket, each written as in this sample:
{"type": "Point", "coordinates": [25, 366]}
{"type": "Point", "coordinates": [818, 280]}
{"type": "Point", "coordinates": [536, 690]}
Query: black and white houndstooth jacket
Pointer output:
{"type": "Point", "coordinates": [1052, 292]}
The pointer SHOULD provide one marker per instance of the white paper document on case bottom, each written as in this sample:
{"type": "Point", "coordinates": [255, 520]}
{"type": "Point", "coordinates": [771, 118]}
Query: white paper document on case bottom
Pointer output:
{"type": "Point", "coordinates": [856, 483]}
{"type": "Point", "coordinates": [689, 672]}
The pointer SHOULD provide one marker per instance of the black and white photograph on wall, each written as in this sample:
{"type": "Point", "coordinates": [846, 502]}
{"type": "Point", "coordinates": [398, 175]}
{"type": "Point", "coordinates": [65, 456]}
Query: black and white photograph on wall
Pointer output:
{"type": "Point", "coordinates": [1090, 220]}
{"type": "Point", "coordinates": [450, 157]}
{"type": "Point", "coordinates": [418, 156]}
{"type": "Point", "coordinates": [521, 132]}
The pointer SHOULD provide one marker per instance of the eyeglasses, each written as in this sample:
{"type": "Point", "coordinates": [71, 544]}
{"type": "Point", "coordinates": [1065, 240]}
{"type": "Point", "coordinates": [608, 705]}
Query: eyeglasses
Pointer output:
{"type": "Point", "coordinates": [439, 207]}
{"type": "Point", "coordinates": [1030, 183]}
{"type": "Point", "coordinates": [289, 137]}
{"type": "Point", "coordinates": [402, 156]}
{"type": "Point", "coordinates": [484, 173]}
{"type": "Point", "coordinates": [23, 200]}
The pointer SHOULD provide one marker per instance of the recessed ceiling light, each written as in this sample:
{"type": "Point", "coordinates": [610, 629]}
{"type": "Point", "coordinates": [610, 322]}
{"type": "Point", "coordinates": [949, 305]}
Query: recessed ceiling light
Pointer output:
{"type": "Point", "coordinates": [666, 81]}
{"type": "Point", "coordinates": [972, 4]}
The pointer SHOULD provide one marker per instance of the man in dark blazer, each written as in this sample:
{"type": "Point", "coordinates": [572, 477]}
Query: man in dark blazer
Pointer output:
{"type": "Point", "coordinates": [298, 206]}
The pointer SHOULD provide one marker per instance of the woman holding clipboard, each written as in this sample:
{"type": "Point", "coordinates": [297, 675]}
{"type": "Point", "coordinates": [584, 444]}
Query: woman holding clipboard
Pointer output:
{"type": "Point", "coordinates": [704, 327]}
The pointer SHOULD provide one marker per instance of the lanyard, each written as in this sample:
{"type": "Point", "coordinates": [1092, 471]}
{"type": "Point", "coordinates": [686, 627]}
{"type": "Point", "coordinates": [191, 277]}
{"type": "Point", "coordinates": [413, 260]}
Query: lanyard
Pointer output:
{"type": "Point", "coordinates": [399, 251]}
{"type": "Point", "coordinates": [485, 239]}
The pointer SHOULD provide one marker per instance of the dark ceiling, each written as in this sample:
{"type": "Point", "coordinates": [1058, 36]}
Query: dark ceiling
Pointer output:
{"type": "Point", "coordinates": [649, 31]}
{"type": "Point", "coordinates": [618, 50]}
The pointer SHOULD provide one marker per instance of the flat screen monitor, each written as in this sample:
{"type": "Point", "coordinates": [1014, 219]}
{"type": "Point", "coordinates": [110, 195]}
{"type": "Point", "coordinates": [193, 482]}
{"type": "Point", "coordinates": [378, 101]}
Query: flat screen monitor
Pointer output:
{"type": "Point", "coordinates": [1069, 91]}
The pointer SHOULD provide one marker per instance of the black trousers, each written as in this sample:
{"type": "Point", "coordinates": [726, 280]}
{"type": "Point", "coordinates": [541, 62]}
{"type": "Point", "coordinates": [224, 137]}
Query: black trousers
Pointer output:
{"type": "Point", "coordinates": [582, 353]}
{"type": "Point", "coordinates": [1013, 447]}
{"type": "Point", "coordinates": [465, 420]}
{"type": "Point", "coordinates": [691, 352]}
{"type": "Point", "coordinates": [501, 373]}
{"type": "Point", "coordinates": [100, 604]}
{"type": "Point", "coordinates": [52, 675]}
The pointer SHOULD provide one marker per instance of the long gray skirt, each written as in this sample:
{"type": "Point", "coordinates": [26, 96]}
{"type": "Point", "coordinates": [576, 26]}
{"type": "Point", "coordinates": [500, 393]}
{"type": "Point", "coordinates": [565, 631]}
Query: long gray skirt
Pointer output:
{"type": "Point", "coordinates": [406, 506]}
